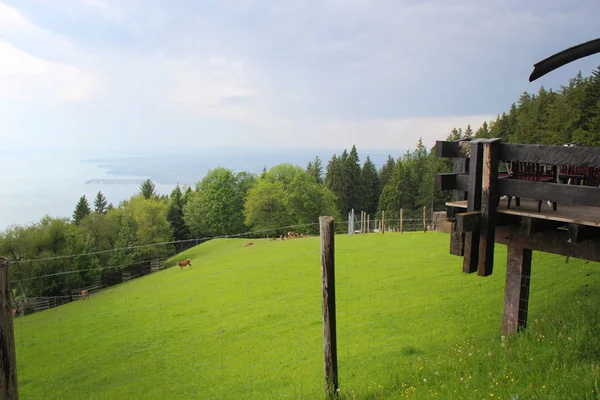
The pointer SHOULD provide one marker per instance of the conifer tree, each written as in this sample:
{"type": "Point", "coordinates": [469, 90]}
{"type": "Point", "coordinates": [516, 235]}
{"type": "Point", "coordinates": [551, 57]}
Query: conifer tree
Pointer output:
{"type": "Point", "coordinates": [82, 210]}
{"type": "Point", "coordinates": [147, 189]}
{"type": "Point", "coordinates": [100, 203]}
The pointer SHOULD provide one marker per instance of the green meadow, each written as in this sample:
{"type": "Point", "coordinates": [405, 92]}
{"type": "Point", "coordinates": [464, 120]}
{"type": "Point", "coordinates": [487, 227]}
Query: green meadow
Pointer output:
{"type": "Point", "coordinates": [244, 322]}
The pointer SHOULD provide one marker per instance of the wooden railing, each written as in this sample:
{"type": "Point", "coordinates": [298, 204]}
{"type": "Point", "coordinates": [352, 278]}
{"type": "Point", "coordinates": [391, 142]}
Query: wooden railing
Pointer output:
{"type": "Point", "coordinates": [478, 176]}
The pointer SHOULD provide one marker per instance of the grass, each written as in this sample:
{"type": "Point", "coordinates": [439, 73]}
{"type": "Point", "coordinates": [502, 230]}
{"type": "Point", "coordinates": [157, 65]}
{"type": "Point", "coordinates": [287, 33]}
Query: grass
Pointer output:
{"type": "Point", "coordinates": [245, 323]}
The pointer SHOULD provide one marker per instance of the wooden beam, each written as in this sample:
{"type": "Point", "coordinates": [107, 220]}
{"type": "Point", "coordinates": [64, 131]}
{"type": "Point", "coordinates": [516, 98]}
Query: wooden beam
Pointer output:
{"type": "Point", "coordinates": [556, 242]}
{"type": "Point", "coordinates": [489, 203]}
{"type": "Point", "coordinates": [572, 194]}
{"type": "Point", "coordinates": [456, 149]}
{"type": "Point", "coordinates": [471, 251]}
{"type": "Point", "coordinates": [516, 293]}
{"type": "Point", "coordinates": [467, 221]}
{"type": "Point", "coordinates": [452, 181]}
{"type": "Point", "coordinates": [531, 225]}
{"type": "Point", "coordinates": [460, 167]}
{"type": "Point", "coordinates": [457, 242]}
{"type": "Point", "coordinates": [579, 233]}
{"type": "Point", "coordinates": [551, 155]}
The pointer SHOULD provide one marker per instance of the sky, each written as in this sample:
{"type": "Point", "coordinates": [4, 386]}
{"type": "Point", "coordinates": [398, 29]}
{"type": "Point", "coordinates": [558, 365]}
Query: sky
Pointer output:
{"type": "Point", "coordinates": [151, 75]}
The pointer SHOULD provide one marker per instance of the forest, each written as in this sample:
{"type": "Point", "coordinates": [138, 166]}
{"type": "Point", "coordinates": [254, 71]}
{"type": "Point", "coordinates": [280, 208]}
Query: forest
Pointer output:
{"type": "Point", "coordinates": [225, 202]}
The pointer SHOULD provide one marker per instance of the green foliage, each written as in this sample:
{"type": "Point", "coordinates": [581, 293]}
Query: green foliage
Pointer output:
{"type": "Point", "coordinates": [147, 189]}
{"type": "Point", "coordinates": [284, 173]}
{"type": "Point", "coordinates": [386, 171]}
{"type": "Point", "coordinates": [315, 169]}
{"type": "Point", "coordinates": [100, 203]}
{"type": "Point", "coordinates": [549, 117]}
{"type": "Point", "coordinates": [307, 201]}
{"type": "Point", "coordinates": [175, 215]}
{"type": "Point", "coordinates": [216, 208]}
{"type": "Point", "coordinates": [370, 187]}
{"type": "Point", "coordinates": [354, 186]}
{"type": "Point", "coordinates": [266, 207]}
{"type": "Point", "coordinates": [336, 181]}
{"type": "Point", "coordinates": [257, 306]}
{"type": "Point", "coordinates": [82, 209]}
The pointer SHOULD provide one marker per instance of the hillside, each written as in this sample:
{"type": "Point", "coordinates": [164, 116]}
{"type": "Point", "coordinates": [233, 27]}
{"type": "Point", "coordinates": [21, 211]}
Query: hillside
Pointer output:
{"type": "Point", "coordinates": [245, 322]}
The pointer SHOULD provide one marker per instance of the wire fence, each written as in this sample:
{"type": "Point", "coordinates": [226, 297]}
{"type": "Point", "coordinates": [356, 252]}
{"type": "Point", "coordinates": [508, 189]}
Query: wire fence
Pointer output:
{"type": "Point", "coordinates": [244, 321]}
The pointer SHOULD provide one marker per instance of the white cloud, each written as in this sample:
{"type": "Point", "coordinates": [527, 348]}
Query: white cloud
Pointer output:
{"type": "Point", "coordinates": [31, 78]}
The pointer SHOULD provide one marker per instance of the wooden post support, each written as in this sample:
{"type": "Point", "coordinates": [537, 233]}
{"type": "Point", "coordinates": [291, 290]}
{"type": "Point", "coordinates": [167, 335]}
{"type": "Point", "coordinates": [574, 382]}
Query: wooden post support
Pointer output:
{"type": "Point", "coordinates": [489, 202]}
{"type": "Point", "coordinates": [329, 328]}
{"type": "Point", "coordinates": [8, 355]}
{"type": "Point", "coordinates": [401, 221]}
{"type": "Point", "coordinates": [368, 223]}
{"type": "Point", "coordinates": [383, 222]}
{"type": "Point", "coordinates": [516, 294]}
{"type": "Point", "coordinates": [471, 243]}
{"type": "Point", "coordinates": [424, 219]}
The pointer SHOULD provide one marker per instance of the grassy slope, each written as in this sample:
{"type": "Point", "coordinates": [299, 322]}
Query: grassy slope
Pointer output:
{"type": "Point", "coordinates": [245, 322]}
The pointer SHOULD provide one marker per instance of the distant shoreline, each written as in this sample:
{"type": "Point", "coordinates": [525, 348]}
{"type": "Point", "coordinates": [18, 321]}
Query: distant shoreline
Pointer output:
{"type": "Point", "coordinates": [114, 181]}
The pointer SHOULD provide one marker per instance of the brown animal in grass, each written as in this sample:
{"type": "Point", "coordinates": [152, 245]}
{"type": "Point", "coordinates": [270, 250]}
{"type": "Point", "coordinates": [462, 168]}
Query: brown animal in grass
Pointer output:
{"type": "Point", "coordinates": [84, 293]}
{"type": "Point", "coordinates": [273, 239]}
{"type": "Point", "coordinates": [185, 263]}
{"type": "Point", "coordinates": [249, 244]}
{"type": "Point", "coordinates": [292, 235]}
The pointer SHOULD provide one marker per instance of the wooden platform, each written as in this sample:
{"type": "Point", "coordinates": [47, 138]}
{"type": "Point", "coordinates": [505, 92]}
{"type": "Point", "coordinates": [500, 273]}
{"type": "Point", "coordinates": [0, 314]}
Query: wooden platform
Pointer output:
{"type": "Point", "coordinates": [567, 213]}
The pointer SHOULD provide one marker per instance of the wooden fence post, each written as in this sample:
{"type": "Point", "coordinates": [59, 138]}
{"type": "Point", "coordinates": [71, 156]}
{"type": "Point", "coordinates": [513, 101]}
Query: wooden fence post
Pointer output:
{"type": "Point", "coordinates": [368, 223]}
{"type": "Point", "coordinates": [471, 243]}
{"type": "Point", "coordinates": [8, 355]}
{"type": "Point", "coordinates": [424, 219]}
{"type": "Point", "coordinates": [516, 292]}
{"type": "Point", "coordinates": [383, 222]}
{"type": "Point", "coordinates": [401, 221]}
{"type": "Point", "coordinates": [489, 202]}
{"type": "Point", "coordinates": [329, 328]}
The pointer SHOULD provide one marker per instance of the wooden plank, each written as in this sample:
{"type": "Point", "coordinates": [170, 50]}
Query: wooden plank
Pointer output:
{"type": "Point", "coordinates": [556, 242]}
{"type": "Point", "coordinates": [329, 320]}
{"type": "Point", "coordinates": [453, 181]}
{"type": "Point", "coordinates": [489, 202]}
{"type": "Point", "coordinates": [567, 213]}
{"type": "Point", "coordinates": [467, 221]}
{"type": "Point", "coordinates": [516, 293]}
{"type": "Point", "coordinates": [579, 233]}
{"type": "Point", "coordinates": [457, 242]}
{"type": "Point", "coordinates": [8, 355]}
{"type": "Point", "coordinates": [551, 155]}
{"type": "Point", "coordinates": [571, 194]}
{"type": "Point", "coordinates": [456, 149]}
{"type": "Point", "coordinates": [471, 252]}
{"type": "Point", "coordinates": [531, 225]}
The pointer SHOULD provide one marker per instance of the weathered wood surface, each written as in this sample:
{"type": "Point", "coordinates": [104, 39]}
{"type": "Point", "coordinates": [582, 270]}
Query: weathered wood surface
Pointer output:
{"type": "Point", "coordinates": [453, 181]}
{"type": "Point", "coordinates": [529, 225]}
{"type": "Point", "coordinates": [471, 246]}
{"type": "Point", "coordinates": [551, 155]}
{"type": "Point", "coordinates": [457, 149]}
{"type": "Point", "coordinates": [467, 222]}
{"type": "Point", "coordinates": [547, 191]}
{"type": "Point", "coordinates": [329, 319]}
{"type": "Point", "coordinates": [567, 213]}
{"type": "Point", "coordinates": [554, 242]}
{"type": "Point", "coordinates": [516, 293]}
{"type": "Point", "coordinates": [489, 200]}
{"type": "Point", "coordinates": [8, 355]}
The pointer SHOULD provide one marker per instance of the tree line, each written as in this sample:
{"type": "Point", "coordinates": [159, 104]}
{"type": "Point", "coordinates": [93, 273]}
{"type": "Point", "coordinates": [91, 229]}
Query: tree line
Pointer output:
{"type": "Point", "coordinates": [227, 203]}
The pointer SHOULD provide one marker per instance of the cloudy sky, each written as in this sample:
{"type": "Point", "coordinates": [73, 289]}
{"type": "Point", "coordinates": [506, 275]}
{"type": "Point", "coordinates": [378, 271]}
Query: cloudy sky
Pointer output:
{"type": "Point", "coordinates": [153, 74]}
